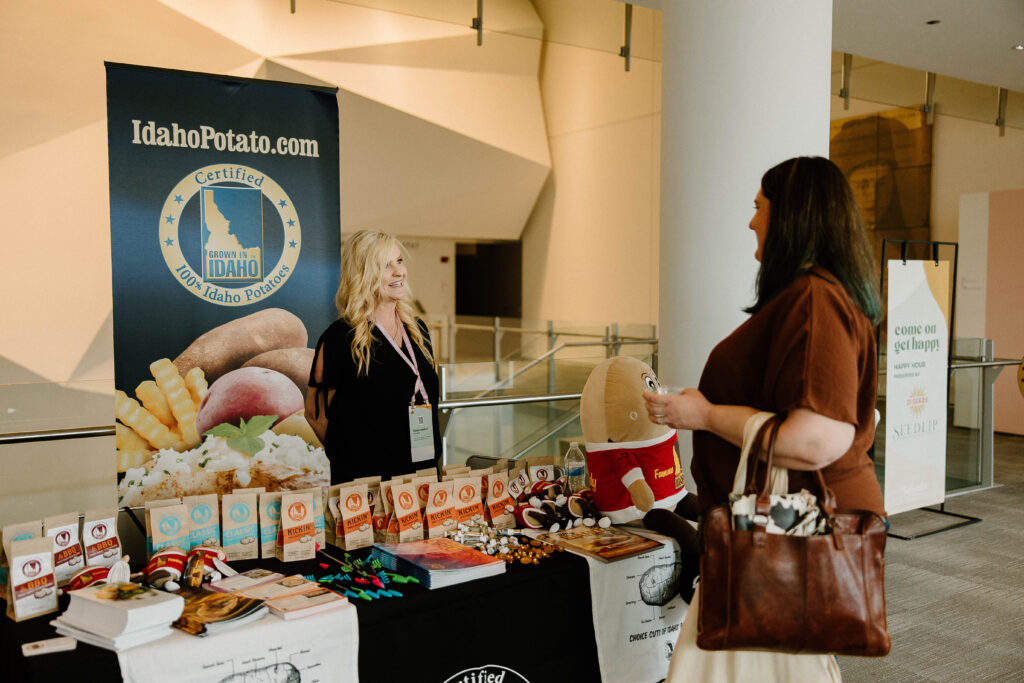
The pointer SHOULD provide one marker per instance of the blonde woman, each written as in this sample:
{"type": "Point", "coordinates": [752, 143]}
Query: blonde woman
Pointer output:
{"type": "Point", "coordinates": [373, 389]}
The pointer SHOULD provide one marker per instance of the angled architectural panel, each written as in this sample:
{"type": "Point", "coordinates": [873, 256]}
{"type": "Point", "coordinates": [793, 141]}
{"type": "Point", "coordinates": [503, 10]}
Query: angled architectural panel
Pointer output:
{"type": "Point", "coordinates": [405, 175]}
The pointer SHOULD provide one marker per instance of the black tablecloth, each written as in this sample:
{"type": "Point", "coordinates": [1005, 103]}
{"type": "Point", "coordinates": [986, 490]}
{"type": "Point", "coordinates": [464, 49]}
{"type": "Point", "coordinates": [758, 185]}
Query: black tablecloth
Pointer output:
{"type": "Point", "coordinates": [534, 620]}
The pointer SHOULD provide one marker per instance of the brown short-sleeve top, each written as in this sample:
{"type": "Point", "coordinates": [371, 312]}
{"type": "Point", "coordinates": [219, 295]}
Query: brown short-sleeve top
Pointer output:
{"type": "Point", "coordinates": [809, 347]}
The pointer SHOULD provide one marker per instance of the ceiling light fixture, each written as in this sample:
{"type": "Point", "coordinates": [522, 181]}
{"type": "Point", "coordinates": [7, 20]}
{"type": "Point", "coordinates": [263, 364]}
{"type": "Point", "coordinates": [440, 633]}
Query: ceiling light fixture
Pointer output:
{"type": "Point", "coordinates": [932, 22]}
{"type": "Point", "coordinates": [1019, 47]}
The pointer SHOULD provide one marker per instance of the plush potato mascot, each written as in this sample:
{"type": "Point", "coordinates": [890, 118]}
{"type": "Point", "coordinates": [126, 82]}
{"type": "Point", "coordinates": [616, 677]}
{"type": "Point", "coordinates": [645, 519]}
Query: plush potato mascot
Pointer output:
{"type": "Point", "coordinates": [632, 462]}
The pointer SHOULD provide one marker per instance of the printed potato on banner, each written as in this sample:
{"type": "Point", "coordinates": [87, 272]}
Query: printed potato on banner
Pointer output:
{"type": "Point", "coordinates": [180, 436]}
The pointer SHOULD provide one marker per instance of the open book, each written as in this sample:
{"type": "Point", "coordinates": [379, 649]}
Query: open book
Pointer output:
{"type": "Point", "coordinates": [608, 544]}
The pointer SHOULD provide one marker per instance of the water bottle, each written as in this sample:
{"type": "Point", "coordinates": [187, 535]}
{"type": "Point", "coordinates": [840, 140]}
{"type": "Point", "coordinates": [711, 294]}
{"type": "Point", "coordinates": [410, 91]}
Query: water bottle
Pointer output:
{"type": "Point", "coordinates": [575, 465]}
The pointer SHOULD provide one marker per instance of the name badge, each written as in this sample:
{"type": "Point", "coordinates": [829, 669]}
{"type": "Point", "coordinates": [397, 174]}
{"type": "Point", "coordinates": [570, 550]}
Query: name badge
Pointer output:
{"type": "Point", "coordinates": [421, 433]}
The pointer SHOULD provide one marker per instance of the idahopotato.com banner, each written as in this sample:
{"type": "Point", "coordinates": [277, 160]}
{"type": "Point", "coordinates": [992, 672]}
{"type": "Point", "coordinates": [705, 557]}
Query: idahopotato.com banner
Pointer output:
{"type": "Point", "coordinates": [225, 244]}
{"type": "Point", "coordinates": [916, 379]}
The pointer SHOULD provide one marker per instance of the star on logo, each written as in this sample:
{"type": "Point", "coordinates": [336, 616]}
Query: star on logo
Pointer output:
{"type": "Point", "coordinates": [169, 219]}
{"type": "Point", "coordinates": [178, 198]}
{"type": "Point", "coordinates": [292, 244]}
{"type": "Point", "coordinates": [291, 223]}
{"type": "Point", "coordinates": [282, 203]}
{"type": "Point", "coordinates": [169, 242]}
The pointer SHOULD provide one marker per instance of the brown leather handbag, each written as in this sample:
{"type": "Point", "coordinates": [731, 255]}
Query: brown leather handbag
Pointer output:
{"type": "Point", "coordinates": [797, 594]}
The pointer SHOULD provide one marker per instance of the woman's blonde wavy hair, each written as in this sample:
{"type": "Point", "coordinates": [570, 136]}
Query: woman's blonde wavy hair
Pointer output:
{"type": "Point", "coordinates": [364, 258]}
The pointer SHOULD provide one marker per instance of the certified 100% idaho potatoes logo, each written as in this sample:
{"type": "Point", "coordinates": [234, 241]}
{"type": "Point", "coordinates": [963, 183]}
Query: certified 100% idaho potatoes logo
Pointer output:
{"type": "Point", "coordinates": [230, 234]}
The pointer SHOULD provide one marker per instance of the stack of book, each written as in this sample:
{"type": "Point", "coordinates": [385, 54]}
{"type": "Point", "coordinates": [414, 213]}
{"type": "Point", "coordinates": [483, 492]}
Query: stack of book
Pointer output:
{"type": "Point", "coordinates": [119, 616]}
{"type": "Point", "coordinates": [293, 597]}
{"type": "Point", "coordinates": [244, 580]}
{"type": "Point", "coordinates": [209, 612]}
{"type": "Point", "coordinates": [437, 562]}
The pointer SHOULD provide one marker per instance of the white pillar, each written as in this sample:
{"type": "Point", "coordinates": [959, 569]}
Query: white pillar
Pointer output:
{"type": "Point", "coordinates": [745, 85]}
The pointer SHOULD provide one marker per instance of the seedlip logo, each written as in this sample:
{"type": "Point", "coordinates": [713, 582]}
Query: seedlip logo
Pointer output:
{"type": "Point", "coordinates": [232, 266]}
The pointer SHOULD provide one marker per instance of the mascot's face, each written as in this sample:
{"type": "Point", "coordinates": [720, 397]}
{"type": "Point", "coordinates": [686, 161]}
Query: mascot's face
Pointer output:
{"type": "Point", "coordinates": [612, 407]}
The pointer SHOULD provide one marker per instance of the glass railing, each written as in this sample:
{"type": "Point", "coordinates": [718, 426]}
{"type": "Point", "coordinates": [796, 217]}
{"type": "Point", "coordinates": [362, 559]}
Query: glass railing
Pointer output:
{"type": "Point", "coordinates": [524, 408]}
{"type": "Point", "coordinates": [969, 421]}
{"type": "Point", "coordinates": [475, 339]}
{"type": "Point", "coordinates": [55, 406]}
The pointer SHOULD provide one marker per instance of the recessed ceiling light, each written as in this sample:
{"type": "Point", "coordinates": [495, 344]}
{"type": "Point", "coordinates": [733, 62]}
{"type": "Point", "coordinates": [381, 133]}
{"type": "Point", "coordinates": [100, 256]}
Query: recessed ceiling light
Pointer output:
{"type": "Point", "coordinates": [1019, 47]}
{"type": "Point", "coordinates": [932, 22]}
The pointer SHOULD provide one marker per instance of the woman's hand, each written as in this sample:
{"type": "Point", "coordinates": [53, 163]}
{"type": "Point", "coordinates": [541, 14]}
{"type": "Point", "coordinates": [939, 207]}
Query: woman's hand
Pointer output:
{"type": "Point", "coordinates": [686, 410]}
{"type": "Point", "coordinates": [806, 441]}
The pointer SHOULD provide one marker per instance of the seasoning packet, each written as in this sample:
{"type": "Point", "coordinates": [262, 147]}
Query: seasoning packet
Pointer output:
{"type": "Point", "coordinates": [317, 492]}
{"type": "Point", "coordinates": [497, 500]}
{"type": "Point", "coordinates": [296, 540]}
{"type": "Point", "coordinates": [68, 556]}
{"type": "Point", "coordinates": [440, 510]}
{"type": "Point", "coordinates": [204, 519]}
{"type": "Point", "coordinates": [407, 512]}
{"type": "Point", "coordinates": [270, 522]}
{"type": "Point", "coordinates": [99, 536]}
{"type": "Point", "coordinates": [150, 504]}
{"type": "Point", "coordinates": [518, 480]}
{"type": "Point", "coordinates": [332, 516]}
{"type": "Point", "coordinates": [22, 531]}
{"type": "Point", "coordinates": [170, 527]}
{"type": "Point", "coordinates": [468, 505]}
{"type": "Point", "coordinates": [378, 517]}
{"type": "Point", "coordinates": [33, 587]}
{"type": "Point", "coordinates": [354, 528]}
{"type": "Point", "coordinates": [388, 532]}
{"type": "Point", "coordinates": [541, 468]}
{"type": "Point", "coordinates": [240, 526]}
{"type": "Point", "coordinates": [422, 485]}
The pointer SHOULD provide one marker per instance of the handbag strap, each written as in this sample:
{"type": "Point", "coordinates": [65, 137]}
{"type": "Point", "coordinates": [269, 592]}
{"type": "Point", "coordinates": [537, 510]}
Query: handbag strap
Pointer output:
{"type": "Point", "coordinates": [751, 430]}
{"type": "Point", "coordinates": [744, 481]}
{"type": "Point", "coordinates": [826, 498]}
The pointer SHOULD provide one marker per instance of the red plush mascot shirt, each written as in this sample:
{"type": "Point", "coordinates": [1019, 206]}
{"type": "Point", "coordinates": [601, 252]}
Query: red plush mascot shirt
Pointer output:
{"type": "Point", "coordinates": [614, 466]}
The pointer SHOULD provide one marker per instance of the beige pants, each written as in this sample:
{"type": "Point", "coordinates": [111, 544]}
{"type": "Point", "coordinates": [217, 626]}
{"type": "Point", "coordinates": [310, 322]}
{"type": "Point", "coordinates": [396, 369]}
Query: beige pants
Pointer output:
{"type": "Point", "coordinates": [690, 664]}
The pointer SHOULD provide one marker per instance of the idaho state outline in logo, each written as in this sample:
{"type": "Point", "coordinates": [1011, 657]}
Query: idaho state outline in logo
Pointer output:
{"type": "Point", "coordinates": [231, 268]}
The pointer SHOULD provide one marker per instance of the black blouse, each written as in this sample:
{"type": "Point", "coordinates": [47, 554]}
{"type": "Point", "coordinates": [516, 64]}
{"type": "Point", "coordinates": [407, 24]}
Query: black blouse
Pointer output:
{"type": "Point", "coordinates": [368, 417]}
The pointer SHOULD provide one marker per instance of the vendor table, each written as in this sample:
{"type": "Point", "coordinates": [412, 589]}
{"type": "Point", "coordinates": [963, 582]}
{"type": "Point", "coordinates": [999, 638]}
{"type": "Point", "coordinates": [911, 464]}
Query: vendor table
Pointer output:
{"type": "Point", "coordinates": [534, 621]}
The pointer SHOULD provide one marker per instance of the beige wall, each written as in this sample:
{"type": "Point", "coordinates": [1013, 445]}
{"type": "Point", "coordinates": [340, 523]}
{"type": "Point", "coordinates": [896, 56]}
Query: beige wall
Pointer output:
{"type": "Point", "coordinates": [590, 249]}
{"type": "Point", "coordinates": [1005, 294]}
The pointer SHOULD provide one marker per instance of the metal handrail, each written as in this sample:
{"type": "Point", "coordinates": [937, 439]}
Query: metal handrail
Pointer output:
{"type": "Point", "coordinates": [56, 434]}
{"type": "Point", "coordinates": [551, 352]}
{"type": "Point", "coordinates": [547, 435]}
{"type": "Point", "coordinates": [504, 401]}
{"type": "Point", "coordinates": [998, 363]}
{"type": "Point", "coordinates": [529, 330]}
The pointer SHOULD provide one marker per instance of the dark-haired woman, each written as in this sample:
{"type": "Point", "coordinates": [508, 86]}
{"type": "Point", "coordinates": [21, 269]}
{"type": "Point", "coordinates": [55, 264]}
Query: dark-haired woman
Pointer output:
{"type": "Point", "coordinates": [807, 351]}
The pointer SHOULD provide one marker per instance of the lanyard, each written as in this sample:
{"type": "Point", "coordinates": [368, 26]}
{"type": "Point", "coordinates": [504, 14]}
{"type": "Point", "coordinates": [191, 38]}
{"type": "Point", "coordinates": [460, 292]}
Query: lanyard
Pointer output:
{"type": "Point", "coordinates": [410, 360]}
